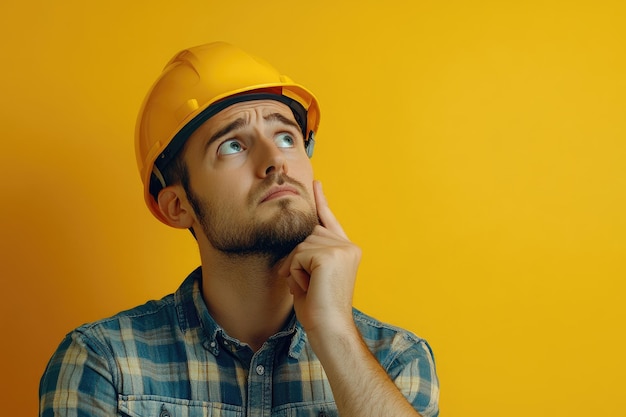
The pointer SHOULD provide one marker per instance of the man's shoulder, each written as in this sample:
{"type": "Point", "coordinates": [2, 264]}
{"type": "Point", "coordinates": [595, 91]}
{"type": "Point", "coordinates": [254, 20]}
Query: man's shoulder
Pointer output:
{"type": "Point", "coordinates": [372, 328]}
{"type": "Point", "coordinates": [134, 333]}
{"type": "Point", "coordinates": [147, 317]}
{"type": "Point", "coordinates": [150, 315]}
{"type": "Point", "coordinates": [389, 342]}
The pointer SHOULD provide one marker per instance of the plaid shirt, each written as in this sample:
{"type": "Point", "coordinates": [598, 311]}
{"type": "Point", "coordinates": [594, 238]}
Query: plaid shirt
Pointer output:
{"type": "Point", "coordinates": [169, 358]}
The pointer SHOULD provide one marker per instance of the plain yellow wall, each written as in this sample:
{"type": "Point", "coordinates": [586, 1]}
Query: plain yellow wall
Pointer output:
{"type": "Point", "coordinates": [475, 150]}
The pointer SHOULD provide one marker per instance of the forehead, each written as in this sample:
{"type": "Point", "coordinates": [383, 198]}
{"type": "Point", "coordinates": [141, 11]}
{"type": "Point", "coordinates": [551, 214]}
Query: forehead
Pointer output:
{"type": "Point", "coordinates": [249, 109]}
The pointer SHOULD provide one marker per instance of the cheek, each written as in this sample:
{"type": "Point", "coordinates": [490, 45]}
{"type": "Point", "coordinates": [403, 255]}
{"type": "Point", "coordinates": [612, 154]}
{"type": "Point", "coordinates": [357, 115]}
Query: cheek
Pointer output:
{"type": "Point", "coordinates": [219, 191]}
{"type": "Point", "coordinates": [231, 193]}
{"type": "Point", "coordinates": [302, 167]}
{"type": "Point", "coordinates": [306, 177]}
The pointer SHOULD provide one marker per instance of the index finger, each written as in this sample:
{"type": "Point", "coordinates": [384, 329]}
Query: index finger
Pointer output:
{"type": "Point", "coordinates": [328, 219]}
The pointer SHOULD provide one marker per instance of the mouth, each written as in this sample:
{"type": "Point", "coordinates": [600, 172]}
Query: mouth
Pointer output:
{"type": "Point", "coordinates": [279, 192]}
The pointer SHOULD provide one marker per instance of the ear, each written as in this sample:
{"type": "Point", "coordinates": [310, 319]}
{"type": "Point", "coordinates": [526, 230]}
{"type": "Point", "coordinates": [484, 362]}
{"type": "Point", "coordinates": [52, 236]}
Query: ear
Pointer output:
{"type": "Point", "coordinates": [174, 207]}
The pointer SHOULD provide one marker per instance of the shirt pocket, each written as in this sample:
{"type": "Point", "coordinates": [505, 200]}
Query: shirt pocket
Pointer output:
{"type": "Point", "coordinates": [157, 406]}
{"type": "Point", "coordinates": [307, 410]}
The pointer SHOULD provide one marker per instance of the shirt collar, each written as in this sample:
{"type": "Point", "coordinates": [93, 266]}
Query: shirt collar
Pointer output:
{"type": "Point", "coordinates": [193, 315]}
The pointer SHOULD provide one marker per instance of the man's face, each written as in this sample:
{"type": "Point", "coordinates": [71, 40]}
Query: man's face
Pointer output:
{"type": "Point", "coordinates": [250, 180]}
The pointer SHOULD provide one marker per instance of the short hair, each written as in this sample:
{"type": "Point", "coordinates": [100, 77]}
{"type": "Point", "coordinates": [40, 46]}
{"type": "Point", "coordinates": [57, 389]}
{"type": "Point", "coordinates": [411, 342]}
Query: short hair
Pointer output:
{"type": "Point", "coordinates": [175, 172]}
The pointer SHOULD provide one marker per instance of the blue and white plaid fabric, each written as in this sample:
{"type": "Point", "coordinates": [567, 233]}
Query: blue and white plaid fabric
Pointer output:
{"type": "Point", "coordinates": [169, 358]}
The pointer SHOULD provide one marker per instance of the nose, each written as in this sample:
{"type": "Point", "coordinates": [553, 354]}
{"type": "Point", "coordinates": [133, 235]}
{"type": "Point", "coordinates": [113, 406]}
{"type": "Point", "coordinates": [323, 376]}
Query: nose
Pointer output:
{"type": "Point", "coordinates": [270, 158]}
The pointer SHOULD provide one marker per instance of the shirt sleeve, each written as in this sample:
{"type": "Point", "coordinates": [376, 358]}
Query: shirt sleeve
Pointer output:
{"type": "Point", "coordinates": [77, 381]}
{"type": "Point", "coordinates": [413, 371]}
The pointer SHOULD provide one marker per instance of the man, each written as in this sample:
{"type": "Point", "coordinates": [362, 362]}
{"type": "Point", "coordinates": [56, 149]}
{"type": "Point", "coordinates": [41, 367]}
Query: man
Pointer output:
{"type": "Point", "coordinates": [266, 326]}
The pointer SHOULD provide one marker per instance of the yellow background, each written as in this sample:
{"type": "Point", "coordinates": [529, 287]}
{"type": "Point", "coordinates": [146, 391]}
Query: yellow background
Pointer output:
{"type": "Point", "coordinates": [475, 150]}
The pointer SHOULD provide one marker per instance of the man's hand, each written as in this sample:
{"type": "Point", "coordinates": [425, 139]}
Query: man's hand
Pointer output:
{"type": "Point", "coordinates": [321, 273]}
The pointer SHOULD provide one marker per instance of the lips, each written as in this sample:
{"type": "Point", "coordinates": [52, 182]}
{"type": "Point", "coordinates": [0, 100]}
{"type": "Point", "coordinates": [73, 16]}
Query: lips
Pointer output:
{"type": "Point", "coordinates": [278, 192]}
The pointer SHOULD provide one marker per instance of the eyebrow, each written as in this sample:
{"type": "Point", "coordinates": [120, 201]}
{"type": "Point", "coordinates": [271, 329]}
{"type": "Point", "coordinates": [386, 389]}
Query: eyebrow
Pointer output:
{"type": "Point", "coordinates": [237, 124]}
{"type": "Point", "coordinates": [277, 117]}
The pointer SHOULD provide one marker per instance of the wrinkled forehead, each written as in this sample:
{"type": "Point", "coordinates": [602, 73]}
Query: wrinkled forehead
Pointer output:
{"type": "Point", "coordinates": [250, 109]}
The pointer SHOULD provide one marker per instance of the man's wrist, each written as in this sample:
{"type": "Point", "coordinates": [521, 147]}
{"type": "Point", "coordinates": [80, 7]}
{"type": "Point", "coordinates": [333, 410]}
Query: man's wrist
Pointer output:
{"type": "Point", "coordinates": [335, 339]}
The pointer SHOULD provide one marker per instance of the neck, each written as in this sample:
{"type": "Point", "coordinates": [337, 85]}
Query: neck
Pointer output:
{"type": "Point", "coordinates": [245, 296]}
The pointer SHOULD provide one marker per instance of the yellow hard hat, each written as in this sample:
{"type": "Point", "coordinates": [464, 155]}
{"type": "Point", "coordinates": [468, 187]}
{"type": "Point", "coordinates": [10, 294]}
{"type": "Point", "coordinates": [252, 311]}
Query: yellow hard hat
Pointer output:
{"type": "Point", "coordinates": [198, 83]}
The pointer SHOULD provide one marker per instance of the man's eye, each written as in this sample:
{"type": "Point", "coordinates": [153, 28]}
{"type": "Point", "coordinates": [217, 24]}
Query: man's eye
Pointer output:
{"type": "Point", "coordinates": [230, 147]}
{"type": "Point", "coordinates": [284, 140]}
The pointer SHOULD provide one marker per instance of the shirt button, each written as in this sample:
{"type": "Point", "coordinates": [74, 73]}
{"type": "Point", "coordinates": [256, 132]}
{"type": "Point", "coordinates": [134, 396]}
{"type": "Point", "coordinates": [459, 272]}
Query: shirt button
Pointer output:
{"type": "Point", "coordinates": [260, 369]}
{"type": "Point", "coordinates": [213, 344]}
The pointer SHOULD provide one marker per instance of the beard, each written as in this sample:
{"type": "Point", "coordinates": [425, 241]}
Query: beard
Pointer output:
{"type": "Point", "coordinates": [272, 238]}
